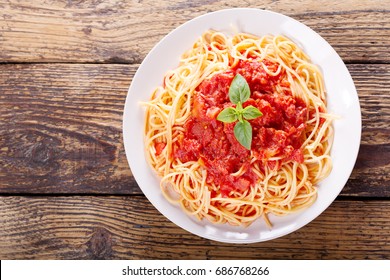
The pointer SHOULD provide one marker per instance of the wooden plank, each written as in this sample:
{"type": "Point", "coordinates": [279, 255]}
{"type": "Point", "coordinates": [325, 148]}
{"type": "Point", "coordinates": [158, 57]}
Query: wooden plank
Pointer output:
{"type": "Point", "coordinates": [130, 228]}
{"type": "Point", "coordinates": [125, 31]}
{"type": "Point", "coordinates": [60, 129]}
{"type": "Point", "coordinates": [371, 175]}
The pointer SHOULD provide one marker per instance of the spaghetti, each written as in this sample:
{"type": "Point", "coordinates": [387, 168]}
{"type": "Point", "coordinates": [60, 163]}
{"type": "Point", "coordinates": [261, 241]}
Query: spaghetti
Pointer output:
{"type": "Point", "coordinates": [201, 164]}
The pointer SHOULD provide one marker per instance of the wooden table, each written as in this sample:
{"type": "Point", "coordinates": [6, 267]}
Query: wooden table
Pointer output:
{"type": "Point", "coordinates": [66, 189]}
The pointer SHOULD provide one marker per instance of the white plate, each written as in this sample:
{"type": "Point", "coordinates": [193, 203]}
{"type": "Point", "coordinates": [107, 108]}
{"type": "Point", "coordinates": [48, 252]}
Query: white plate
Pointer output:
{"type": "Point", "coordinates": [342, 100]}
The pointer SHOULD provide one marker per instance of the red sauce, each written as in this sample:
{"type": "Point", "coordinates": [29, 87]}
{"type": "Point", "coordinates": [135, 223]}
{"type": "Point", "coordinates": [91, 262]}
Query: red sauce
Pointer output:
{"type": "Point", "coordinates": [278, 133]}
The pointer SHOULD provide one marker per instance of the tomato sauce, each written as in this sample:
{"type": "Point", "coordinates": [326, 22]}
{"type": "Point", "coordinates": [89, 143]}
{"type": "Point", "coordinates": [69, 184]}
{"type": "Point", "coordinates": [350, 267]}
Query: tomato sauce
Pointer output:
{"type": "Point", "coordinates": [278, 133]}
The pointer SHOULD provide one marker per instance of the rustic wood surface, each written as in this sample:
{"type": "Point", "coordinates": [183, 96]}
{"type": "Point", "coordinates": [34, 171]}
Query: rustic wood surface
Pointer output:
{"type": "Point", "coordinates": [66, 191]}
{"type": "Point", "coordinates": [112, 227]}
{"type": "Point", "coordinates": [124, 31]}
{"type": "Point", "coordinates": [61, 129]}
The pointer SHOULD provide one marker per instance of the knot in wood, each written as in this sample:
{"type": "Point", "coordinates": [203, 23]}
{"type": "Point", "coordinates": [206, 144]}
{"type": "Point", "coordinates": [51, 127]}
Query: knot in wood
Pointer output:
{"type": "Point", "coordinates": [100, 244]}
{"type": "Point", "coordinates": [41, 153]}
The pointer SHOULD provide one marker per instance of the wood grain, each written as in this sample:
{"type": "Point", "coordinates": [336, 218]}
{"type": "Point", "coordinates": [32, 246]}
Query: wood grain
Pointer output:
{"type": "Point", "coordinates": [61, 129]}
{"type": "Point", "coordinates": [124, 31]}
{"type": "Point", "coordinates": [371, 175]}
{"type": "Point", "coordinates": [130, 228]}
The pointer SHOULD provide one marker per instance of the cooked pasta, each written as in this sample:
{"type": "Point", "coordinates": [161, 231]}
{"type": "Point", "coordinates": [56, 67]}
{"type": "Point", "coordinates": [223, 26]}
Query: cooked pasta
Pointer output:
{"type": "Point", "coordinates": [202, 165]}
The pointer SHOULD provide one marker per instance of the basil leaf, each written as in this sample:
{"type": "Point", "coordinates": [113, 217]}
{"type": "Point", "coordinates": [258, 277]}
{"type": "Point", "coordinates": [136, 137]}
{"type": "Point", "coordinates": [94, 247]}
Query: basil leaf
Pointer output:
{"type": "Point", "coordinates": [239, 90]}
{"type": "Point", "coordinates": [243, 133]}
{"type": "Point", "coordinates": [227, 115]}
{"type": "Point", "coordinates": [251, 112]}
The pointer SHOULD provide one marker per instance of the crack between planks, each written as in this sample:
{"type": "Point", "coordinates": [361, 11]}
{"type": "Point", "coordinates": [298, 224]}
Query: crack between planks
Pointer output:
{"type": "Point", "coordinates": [346, 61]}
{"type": "Point", "coordinates": [339, 198]}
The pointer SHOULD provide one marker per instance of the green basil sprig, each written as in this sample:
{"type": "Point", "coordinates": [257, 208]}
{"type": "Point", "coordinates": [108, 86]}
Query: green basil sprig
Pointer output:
{"type": "Point", "coordinates": [239, 92]}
